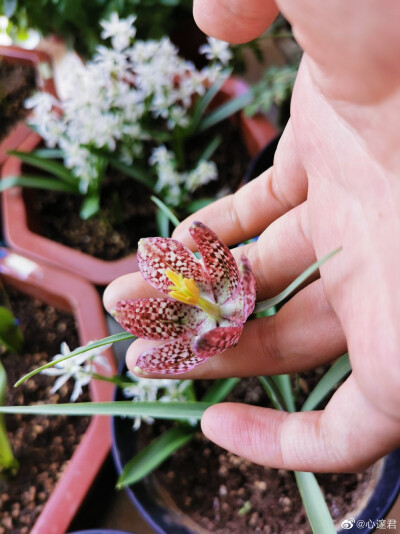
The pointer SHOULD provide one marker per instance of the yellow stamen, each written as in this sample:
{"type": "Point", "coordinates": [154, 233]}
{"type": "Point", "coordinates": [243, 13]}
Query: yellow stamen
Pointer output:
{"type": "Point", "coordinates": [185, 290]}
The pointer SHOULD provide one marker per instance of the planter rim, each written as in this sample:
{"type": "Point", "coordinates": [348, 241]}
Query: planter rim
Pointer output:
{"type": "Point", "coordinates": [42, 64]}
{"type": "Point", "coordinates": [67, 291]}
{"type": "Point", "coordinates": [256, 131]}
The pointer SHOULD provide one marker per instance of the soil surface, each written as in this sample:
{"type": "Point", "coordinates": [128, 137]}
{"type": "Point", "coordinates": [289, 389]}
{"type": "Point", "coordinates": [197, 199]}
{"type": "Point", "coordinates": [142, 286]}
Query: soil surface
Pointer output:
{"type": "Point", "coordinates": [41, 445]}
{"type": "Point", "coordinates": [226, 494]}
{"type": "Point", "coordinates": [17, 82]}
{"type": "Point", "coordinates": [127, 213]}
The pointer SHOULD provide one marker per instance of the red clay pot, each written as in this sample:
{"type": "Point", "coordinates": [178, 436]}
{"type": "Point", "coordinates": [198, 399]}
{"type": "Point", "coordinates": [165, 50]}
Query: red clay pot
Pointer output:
{"type": "Point", "coordinates": [70, 293]}
{"type": "Point", "coordinates": [41, 62]}
{"type": "Point", "coordinates": [256, 132]}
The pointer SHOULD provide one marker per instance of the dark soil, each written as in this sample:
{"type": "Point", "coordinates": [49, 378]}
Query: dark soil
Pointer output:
{"type": "Point", "coordinates": [226, 494]}
{"type": "Point", "coordinates": [17, 83]}
{"type": "Point", "coordinates": [127, 213]}
{"type": "Point", "coordinates": [41, 445]}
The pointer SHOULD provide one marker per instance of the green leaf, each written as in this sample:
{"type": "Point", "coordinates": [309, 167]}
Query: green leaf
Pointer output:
{"type": "Point", "coordinates": [225, 111]}
{"type": "Point", "coordinates": [154, 454]}
{"type": "Point", "coordinates": [314, 503]}
{"type": "Point", "coordinates": [36, 182]}
{"type": "Point", "coordinates": [166, 210]}
{"type": "Point", "coordinates": [161, 410]}
{"type": "Point", "coordinates": [90, 206]}
{"type": "Point", "coordinates": [220, 389]}
{"type": "Point", "coordinates": [162, 223]}
{"type": "Point", "coordinates": [273, 392]}
{"type": "Point", "coordinates": [197, 205]}
{"type": "Point", "coordinates": [134, 171]}
{"type": "Point", "coordinates": [262, 306]}
{"type": "Point", "coordinates": [285, 387]}
{"type": "Point", "coordinates": [52, 167]}
{"type": "Point", "coordinates": [9, 7]}
{"type": "Point", "coordinates": [49, 153]}
{"type": "Point", "coordinates": [331, 378]}
{"type": "Point", "coordinates": [203, 102]}
{"type": "Point", "coordinates": [210, 149]}
{"type": "Point", "coordinates": [10, 334]}
{"type": "Point", "coordinates": [115, 338]}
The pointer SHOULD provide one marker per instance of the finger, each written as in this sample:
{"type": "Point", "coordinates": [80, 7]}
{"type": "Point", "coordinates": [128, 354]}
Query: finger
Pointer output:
{"type": "Point", "coordinates": [303, 334]}
{"type": "Point", "coordinates": [281, 253]}
{"type": "Point", "coordinates": [235, 21]}
{"type": "Point", "coordinates": [348, 435]}
{"type": "Point", "coordinates": [245, 214]}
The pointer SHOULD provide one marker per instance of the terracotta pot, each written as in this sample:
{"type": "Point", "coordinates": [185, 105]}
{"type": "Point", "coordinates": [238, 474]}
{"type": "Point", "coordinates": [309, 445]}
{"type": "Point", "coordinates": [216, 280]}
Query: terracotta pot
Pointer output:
{"type": "Point", "coordinates": [69, 293]}
{"type": "Point", "coordinates": [41, 62]}
{"type": "Point", "coordinates": [256, 133]}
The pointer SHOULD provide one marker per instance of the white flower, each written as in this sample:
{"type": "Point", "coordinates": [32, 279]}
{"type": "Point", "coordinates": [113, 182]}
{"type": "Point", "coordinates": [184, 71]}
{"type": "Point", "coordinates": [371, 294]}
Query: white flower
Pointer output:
{"type": "Point", "coordinates": [205, 172]}
{"type": "Point", "coordinates": [216, 50]}
{"type": "Point", "coordinates": [74, 368]}
{"type": "Point", "coordinates": [120, 31]}
{"type": "Point", "coordinates": [150, 390]}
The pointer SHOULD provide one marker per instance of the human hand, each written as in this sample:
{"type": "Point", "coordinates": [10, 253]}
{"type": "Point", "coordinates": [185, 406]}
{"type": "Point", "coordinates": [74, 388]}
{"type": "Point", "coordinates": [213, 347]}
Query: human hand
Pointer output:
{"type": "Point", "coordinates": [334, 183]}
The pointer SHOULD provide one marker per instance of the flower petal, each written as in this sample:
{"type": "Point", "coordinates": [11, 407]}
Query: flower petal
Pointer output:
{"type": "Point", "coordinates": [217, 340]}
{"type": "Point", "coordinates": [157, 318]}
{"type": "Point", "coordinates": [248, 283]}
{"type": "Point", "coordinates": [241, 304]}
{"type": "Point", "coordinates": [172, 358]}
{"type": "Point", "coordinates": [218, 261]}
{"type": "Point", "coordinates": [155, 254]}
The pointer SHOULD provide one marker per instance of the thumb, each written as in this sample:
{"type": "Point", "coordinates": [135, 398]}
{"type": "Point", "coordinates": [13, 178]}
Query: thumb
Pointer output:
{"type": "Point", "coordinates": [236, 21]}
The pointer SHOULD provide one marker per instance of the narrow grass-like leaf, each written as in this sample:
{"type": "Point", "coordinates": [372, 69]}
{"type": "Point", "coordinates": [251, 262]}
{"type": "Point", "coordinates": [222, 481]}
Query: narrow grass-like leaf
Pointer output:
{"type": "Point", "coordinates": [197, 205]}
{"type": "Point", "coordinates": [52, 167]}
{"type": "Point", "coordinates": [273, 392]}
{"type": "Point", "coordinates": [331, 378]}
{"type": "Point", "coordinates": [122, 336]}
{"type": "Point", "coordinates": [162, 224]}
{"type": "Point", "coordinates": [262, 306]}
{"type": "Point", "coordinates": [37, 182]}
{"type": "Point", "coordinates": [134, 171]}
{"type": "Point", "coordinates": [166, 210]}
{"type": "Point", "coordinates": [314, 503]}
{"type": "Point", "coordinates": [285, 387]}
{"type": "Point", "coordinates": [204, 101]}
{"type": "Point", "coordinates": [220, 389]}
{"type": "Point", "coordinates": [154, 454]}
{"type": "Point", "coordinates": [49, 153]}
{"type": "Point", "coordinates": [225, 111]}
{"type": "Point", "coordinates": [90, 206]}
{"type": "Point", "coordinates": [210, 149]}
{"type": "Point", "coordinates": [10, 333]}
{"type": "Point", "coordinates": [161, 410]}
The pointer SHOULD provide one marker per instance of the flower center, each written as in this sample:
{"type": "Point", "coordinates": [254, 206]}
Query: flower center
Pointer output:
{"type": "Point", "coordinates": [185, 290]}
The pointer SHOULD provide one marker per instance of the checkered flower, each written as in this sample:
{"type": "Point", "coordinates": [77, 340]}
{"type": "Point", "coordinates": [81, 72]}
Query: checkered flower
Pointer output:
{"type": "Point", "coordinates": [209, 301]}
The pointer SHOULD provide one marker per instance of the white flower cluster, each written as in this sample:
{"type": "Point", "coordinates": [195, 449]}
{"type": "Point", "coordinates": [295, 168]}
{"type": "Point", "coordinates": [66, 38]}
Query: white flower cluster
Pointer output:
{"type": "Point", "coordinates": [79, 367]}
{"type": "Point", "coordinates": [119, 98]}
{"type": "Point", "coordinates": [174, 183]}
{"type": "Point", "coordinates": [150, 389]}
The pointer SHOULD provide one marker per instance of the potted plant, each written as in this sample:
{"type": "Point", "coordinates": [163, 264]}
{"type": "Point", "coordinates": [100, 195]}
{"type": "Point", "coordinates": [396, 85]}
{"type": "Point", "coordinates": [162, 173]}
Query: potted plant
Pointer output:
{"type": "Point", "coordinates": [167, 123]}
{"type": "Point", "coordinates": [21, 72]}
{"type": "Point", "coordinates": [55, 302]}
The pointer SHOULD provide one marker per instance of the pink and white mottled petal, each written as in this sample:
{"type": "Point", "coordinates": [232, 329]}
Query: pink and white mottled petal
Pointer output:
{"type": "Point", "coordinates": [217, 340]}
{"type": "Point", "coordinates": [218, 261]}
{"type": "Point", "coordinates": [174, 357]}
{"type": "Point", "coordinates": [248, 283]}
{"type": "Point", "coordinates": [158, 318]}
{"type": "Point", "coordinates": [155, 254]}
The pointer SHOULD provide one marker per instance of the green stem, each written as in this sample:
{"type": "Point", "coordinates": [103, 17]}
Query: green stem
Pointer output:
{"type": "Point", "coordinates": [8, 463]}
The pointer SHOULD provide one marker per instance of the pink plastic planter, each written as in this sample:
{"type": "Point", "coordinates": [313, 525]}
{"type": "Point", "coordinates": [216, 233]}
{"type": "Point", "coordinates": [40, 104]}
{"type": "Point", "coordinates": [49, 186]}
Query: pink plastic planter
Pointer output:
{"type": "Point", "coordinates": [41, 62]}
{"type": "Point", "coordinates": [70, 293]}
{"type": "Point", "coordinates": [256, 133]}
